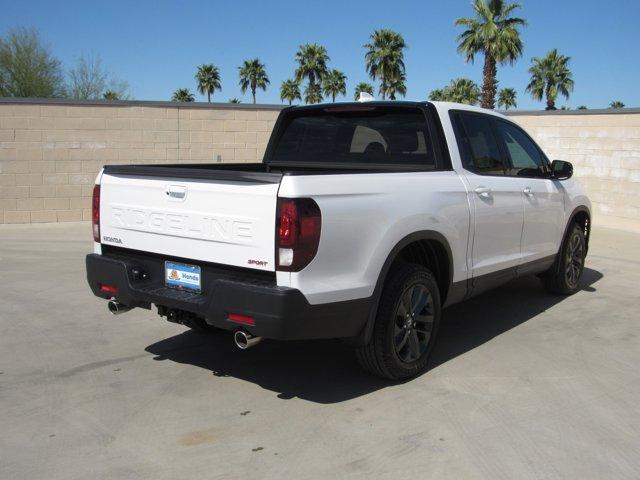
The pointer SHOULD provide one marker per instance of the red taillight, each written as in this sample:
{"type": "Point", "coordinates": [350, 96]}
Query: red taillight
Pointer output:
{"type": "Point", "coordinates": [298, 226]}
{"type": "Point", "coordinates": [110, 289]}
{"type": "Point", "coordinates": [288, 226]}
{"type": "Point", "coordinates": [243, 319]}
{"type": "Point", "coordinates": [95, 213]}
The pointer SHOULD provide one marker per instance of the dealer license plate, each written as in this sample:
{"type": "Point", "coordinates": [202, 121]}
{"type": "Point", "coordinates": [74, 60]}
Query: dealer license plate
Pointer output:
{"type": "Point", "coordinates": [182, 277]}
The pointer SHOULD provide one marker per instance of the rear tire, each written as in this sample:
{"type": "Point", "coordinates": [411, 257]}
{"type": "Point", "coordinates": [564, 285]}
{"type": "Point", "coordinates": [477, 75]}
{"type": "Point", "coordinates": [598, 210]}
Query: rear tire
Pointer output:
{"type": "Point", "coordinates": [563, 278]}
{"type": "Point", "coordinates": [406, 325]}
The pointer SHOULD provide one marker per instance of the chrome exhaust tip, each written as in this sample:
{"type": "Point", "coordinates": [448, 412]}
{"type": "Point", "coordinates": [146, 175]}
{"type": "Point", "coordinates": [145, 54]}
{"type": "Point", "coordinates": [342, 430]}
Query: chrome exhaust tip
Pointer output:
{"type": "Point", "coordinates": [117, 308]}
{"type": "Point", "coordinates": [244, 340]}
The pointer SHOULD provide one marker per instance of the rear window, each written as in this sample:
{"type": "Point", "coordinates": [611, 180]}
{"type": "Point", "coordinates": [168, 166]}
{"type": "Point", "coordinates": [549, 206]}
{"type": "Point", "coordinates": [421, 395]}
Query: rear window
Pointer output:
{"type": "Point", "coordinates": [366, 135]}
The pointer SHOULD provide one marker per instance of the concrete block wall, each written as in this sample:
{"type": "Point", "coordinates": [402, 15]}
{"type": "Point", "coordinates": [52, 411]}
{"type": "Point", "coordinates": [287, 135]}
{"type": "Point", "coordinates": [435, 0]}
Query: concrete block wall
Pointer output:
{"type": "Point", "coordinates": [604, 148]}
{"type": "Point", "coordinates": [51, 151]}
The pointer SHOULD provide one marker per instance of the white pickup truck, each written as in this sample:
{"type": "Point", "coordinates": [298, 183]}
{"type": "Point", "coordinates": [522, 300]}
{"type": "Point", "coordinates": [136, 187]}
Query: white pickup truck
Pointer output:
{"type": "Point", "coordinates": [362, 222]}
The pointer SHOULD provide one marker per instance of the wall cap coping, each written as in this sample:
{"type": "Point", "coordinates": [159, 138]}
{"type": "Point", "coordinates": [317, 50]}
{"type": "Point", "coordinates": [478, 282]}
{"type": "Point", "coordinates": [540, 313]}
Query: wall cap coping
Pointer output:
{"type": "Point", "coordinates": [595, 111]}
{"type": "Point", "coordinates": [136, 103]}
{"type": "Point", "coordinates": [267, 106]}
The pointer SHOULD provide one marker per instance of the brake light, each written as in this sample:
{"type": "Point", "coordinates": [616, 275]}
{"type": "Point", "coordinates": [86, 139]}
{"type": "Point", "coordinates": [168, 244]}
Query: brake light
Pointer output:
{"type": "Point", "coordinates": [298, 225]}
{"type": "Point", "coordinates": [95, 213]}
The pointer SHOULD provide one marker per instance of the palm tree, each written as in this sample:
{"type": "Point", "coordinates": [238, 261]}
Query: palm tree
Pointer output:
{"type": "Point", "coordinates": [182, 95]}
{"type": "Point", "coordinates": [385, 58]}
{"type": "Point", "coordinates": [312, 64]}
{"type": "Point", "coordinates": [208, 78]}
{"type": "Point", "coordinates": [460, 90]}
{"type": "Point", "coordinates": [313, 93]}
{"type": "Point", "coordinates": [582, 107]}
{"type": "Point", "coordinates": [253, 76]}
{"type": "Point", "coordinates": [438, 95]}
{"type": "Point", "coordinates": [363, 87]}
{"type": "Point", "coordinates": [507, 98]}
{"type": "Point", "coordinates": [290, 91]}
{"type": "Point", "coordinates": [495, 34]}
{"type": "Point", "coordinates": [235, 100]}
{"type": "Point", "coordinates": [616, 104]}
{"type": "Point", "coordinates": [463, 90]}
{"type": "Point", "coordinates": [396, 84]}
{"type": "Point", "coordinates": [550, 76]}
{"type": "Point", "coordinates": [111, 95]}
{"type": "Point", "coordinates": [334, 83]}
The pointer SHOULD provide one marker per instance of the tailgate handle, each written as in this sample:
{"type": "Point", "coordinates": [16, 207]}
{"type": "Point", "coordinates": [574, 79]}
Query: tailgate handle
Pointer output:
{"type": "Point", "coordinates": [176, 193]}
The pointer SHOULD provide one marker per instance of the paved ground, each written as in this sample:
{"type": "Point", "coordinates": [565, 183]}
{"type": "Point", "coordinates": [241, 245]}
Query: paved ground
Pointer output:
{"type": "Point", "coordinates": [522, 385]}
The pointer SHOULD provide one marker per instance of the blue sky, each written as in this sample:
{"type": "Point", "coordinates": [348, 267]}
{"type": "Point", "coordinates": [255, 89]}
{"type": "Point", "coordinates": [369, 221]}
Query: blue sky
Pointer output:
{"type": "Point", "coordinates": [157, 45]}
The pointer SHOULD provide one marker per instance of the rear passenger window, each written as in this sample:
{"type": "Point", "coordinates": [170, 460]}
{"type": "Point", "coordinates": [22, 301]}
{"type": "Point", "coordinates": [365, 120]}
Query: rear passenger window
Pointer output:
{"type": "Point", "coordinates": [478, 144]}
{"type": "Point", "coordinates": [526, 159]}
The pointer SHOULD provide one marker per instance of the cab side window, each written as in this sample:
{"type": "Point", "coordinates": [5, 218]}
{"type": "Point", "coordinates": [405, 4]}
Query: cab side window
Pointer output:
{"type": "Point", "coordinates": [525, 157]}
{"type": "Point", "coordinates": [478, 145]}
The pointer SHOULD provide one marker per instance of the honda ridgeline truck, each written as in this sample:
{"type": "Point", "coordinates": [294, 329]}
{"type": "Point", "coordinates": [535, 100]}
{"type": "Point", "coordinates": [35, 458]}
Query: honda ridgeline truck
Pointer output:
{"type": "Point", "coordinates": [362, 222]}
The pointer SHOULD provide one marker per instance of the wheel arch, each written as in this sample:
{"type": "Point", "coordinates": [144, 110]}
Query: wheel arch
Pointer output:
{"type": "Point", "coordinates": [582, 216]}
{"type": "Point", "coordinates": [426, 247]}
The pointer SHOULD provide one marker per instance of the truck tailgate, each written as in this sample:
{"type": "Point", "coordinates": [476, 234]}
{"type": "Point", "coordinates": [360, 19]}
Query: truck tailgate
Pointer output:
{"type": "Point", "coordinates": [213, 220]}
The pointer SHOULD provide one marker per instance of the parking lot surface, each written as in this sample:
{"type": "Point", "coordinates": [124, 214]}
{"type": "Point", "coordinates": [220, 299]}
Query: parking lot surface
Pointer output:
{"type": "Point", "coordinates": [521, 384]}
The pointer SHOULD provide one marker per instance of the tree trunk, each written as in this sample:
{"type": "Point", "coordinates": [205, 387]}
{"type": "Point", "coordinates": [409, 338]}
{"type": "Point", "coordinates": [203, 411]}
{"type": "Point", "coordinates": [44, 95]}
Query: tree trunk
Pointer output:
{"type": "Point", "coordinates": [333, 97]}
{"type": "Point", "coordinates": [209, 97]}
{"type": "Point", "coordinates": [551, 103]}
{"type": "Point", "coordinates": [253, 92]}
{"type": "Point", "coordinates": [489, 83]}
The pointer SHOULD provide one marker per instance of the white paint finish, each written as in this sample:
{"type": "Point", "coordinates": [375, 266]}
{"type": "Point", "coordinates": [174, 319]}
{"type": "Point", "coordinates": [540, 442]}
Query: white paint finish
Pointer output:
{"type": "Point", "coordinates": [365, 215]}
{"type": "Point", "coordinates": [220, 222]}
{"type": "Point", "coordinates": [544, 217]}
{"type": "Point", "coordinates": [574, 197]}
{"type": "Point", "coordinates": [498, 211]}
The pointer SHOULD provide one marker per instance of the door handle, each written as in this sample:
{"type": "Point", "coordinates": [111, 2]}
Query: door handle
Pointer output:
{"type": "Point", "coordinates": [528, 192]}
{"type": "Point", "coordinates": [484, 192]}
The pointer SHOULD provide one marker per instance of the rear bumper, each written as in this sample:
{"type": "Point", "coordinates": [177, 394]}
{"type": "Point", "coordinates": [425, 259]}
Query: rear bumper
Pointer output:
{"type": "Point", "coordinates": [280, 313]}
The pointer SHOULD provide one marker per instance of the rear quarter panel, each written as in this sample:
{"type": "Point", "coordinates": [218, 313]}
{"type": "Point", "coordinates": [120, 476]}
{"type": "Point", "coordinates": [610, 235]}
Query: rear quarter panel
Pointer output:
{"type": "Point", "coordinates": [364, 216]}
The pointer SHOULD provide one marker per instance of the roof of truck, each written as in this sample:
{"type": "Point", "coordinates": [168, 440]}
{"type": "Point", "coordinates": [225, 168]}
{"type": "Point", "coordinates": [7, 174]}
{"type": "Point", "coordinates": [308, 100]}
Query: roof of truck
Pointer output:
{"type": "Point", "coordinates": [375, 103]}
{"type": "Point", "coordinates": [441, 106]}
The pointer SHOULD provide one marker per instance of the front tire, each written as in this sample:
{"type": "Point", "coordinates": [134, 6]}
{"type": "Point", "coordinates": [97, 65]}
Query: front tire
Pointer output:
{"type": "Point", "coordinates": [563, 278]}
{"type": "Point", "coordinates": [406, 325]}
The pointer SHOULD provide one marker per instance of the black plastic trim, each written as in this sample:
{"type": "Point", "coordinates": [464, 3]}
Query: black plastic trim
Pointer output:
{"type": "Point", "coordinates": [194, 171]}
{"type": "Point", "coordinates": [280, 313]}
{"type": "Point", "coordinates": [489, 281]}
{"type": "Point", "coordinates": [440, 138]}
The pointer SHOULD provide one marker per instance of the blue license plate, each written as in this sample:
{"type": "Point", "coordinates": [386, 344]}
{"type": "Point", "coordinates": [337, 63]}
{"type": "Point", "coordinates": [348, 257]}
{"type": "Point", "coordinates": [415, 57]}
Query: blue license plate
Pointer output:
{"type": "Point", "coordinates": [182, 277]}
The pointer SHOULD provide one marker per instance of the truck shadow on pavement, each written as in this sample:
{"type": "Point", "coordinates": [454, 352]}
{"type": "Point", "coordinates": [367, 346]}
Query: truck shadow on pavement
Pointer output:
{"type": "Point", "coordinates": [325, 371]}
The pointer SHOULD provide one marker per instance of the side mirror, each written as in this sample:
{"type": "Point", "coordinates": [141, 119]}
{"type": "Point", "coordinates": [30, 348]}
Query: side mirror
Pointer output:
{"type": "Point", "coordinates": [561, 170]}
